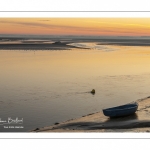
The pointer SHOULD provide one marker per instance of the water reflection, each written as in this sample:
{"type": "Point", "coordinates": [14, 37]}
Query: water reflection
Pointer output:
{"type": "Point", "coordinates": [45, 87]}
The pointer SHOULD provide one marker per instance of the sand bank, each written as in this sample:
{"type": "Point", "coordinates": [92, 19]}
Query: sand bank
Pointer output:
{"type": "Point", "coordinates": [36, 46]}
{"type": "Point", "coordinates": [63, 43]}
{"type": "Point", "coordinates": [97, 122]}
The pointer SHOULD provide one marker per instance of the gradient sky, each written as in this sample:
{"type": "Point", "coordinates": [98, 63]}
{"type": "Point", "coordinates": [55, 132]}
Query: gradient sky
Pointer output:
{"type": "Point", "coordinates": [76, 26]}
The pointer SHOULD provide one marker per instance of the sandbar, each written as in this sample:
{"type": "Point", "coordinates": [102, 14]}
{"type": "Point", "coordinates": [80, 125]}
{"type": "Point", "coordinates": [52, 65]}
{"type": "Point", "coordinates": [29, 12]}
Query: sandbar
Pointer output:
{"type": "Point", "coordinates": [97, 122]}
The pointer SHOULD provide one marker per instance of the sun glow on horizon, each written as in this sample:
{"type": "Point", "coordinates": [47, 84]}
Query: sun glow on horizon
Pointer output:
{"type": "Point", "coordinates": [76, 26]}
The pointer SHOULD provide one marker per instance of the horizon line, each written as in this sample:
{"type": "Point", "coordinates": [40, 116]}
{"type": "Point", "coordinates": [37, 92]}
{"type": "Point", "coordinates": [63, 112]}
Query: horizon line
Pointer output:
{"type": "Point", "coordinates": [74, 35]}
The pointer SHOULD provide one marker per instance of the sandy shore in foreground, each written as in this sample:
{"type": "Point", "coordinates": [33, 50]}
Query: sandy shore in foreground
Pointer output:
{"type": "Point", "coordinates": [97, 122]}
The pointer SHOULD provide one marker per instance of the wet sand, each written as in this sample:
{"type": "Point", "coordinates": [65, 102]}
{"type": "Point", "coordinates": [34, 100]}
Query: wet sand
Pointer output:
{"type": "Point", "coordinates": [97, 122]}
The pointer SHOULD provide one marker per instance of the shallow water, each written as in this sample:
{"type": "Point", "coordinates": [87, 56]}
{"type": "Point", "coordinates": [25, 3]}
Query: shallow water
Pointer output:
{"type": "Point", "coordinates": [45, 87]}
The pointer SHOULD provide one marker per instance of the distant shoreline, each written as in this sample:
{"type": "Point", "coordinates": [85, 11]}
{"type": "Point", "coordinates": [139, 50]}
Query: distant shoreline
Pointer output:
{"type": "Point", "coordinates": [62, 44]}
{"type": "Point", "coordinates": [35, 47]}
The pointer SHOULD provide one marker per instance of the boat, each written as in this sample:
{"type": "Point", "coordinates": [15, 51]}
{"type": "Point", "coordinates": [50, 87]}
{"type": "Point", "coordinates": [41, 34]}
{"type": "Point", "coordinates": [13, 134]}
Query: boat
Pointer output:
{"type": "Point", "coordinates": [122, 110]}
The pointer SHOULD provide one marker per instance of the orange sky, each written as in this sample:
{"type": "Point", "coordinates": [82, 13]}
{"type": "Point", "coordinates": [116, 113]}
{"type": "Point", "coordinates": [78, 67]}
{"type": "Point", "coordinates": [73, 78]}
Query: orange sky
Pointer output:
{"type": "Point", "coordinates": [76, 26]}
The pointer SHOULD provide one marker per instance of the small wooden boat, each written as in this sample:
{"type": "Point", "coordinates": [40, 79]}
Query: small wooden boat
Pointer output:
{"type": "Point", "coordinates": [123, 110]}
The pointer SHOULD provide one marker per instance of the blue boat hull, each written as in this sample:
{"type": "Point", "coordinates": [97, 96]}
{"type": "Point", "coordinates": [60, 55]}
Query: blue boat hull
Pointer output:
{"type": "Point", "coordinates": [123, 110]}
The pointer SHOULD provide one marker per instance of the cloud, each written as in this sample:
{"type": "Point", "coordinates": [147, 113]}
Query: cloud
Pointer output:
{"type": "Point", "coordinates": [26, 23]}
{"type": "Point", "coordinates": [68, 28]}
{"type": "Point", "coordinates": [44, 20]}
{"type": "Point", "coordinates": [48, 26]}
{"type": "Point", "coordinates": [119, 23]}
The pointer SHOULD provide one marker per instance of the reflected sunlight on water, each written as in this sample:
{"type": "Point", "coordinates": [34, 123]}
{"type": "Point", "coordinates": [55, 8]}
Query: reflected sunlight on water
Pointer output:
{"type": "Point", "coordinates": [45, 87]}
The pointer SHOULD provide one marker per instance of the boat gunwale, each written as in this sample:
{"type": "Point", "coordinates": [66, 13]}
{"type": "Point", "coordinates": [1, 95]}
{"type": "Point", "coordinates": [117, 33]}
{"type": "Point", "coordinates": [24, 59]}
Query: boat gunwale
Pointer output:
{"type": "Point", "coordinates": [111, 109]}
{"type": "Point", "coordinates": [132, 104]}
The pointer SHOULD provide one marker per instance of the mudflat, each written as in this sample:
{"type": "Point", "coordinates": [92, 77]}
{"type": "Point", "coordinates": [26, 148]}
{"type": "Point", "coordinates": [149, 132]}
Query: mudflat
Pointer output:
{"type": "Point", "coordinates": [63, 44]}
